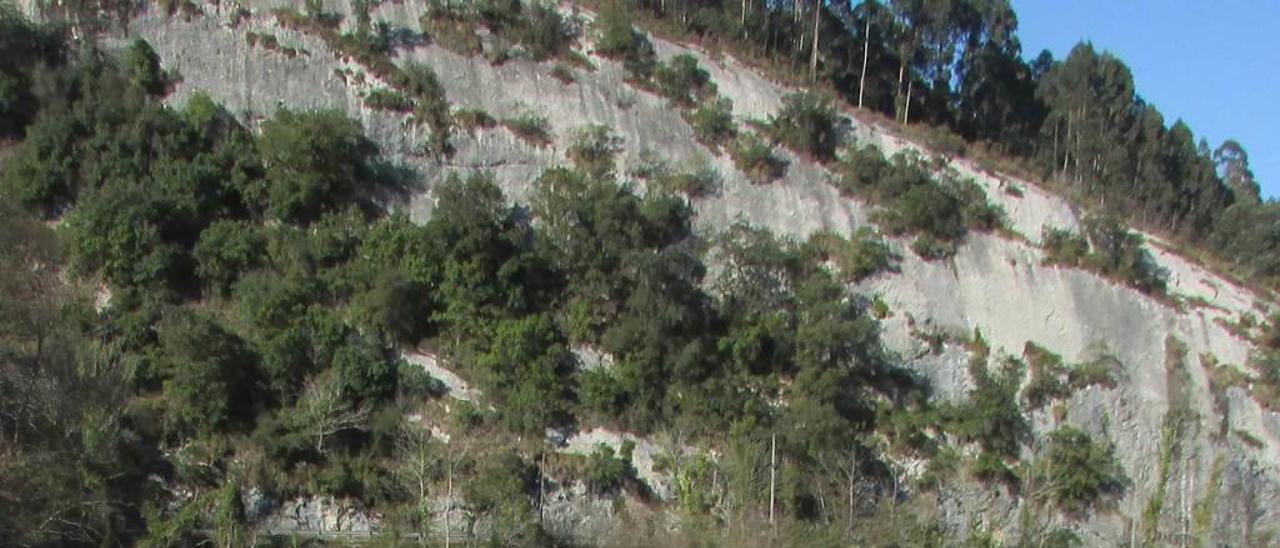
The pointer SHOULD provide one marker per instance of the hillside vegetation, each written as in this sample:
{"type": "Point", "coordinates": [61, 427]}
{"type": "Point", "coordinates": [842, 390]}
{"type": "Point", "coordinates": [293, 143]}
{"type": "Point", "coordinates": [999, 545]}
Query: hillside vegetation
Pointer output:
{"type": "Point", "coordinates": [201, 313]}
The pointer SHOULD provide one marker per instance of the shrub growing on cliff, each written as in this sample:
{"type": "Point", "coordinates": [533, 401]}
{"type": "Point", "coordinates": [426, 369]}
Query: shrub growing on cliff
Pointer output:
{"type": "Point", "coordinates": [1120, 253]}
{"type": "Point", "coordinates": [683, 81]}
{"type": "Point", "coordinates": [617, 39]}
{"type": "Point", "coordinates": [531, 127]}
{"type": "Point", "coordinates": [807, 124]}
{"type": "Point", "coordinates": [591, 149]}
{"type": "Point", "coordinates": [1078, 472]}
{"type": "Point", "coordinates": [1063, 247]}
{"type": "Point", "coordinates": [712, 123]}
{"type": "Point", "coordinates": [755, 158]}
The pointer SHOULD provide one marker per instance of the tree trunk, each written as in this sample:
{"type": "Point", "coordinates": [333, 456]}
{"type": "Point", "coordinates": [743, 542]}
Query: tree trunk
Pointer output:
{"type": "Point", "coordinates": [866, 49]}
{"type": "Point", "coordinates": [773, 469]}
{"type": "Point", "coordinates": [448, 503]}
{"type": "Point", "coordinates": [906, 111]}
{"type": "Point", "coordinates": [813, 58]}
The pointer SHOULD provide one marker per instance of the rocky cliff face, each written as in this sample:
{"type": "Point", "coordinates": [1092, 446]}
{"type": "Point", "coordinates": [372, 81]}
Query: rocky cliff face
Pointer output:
{"type": "Point", "coordinates": [1215, 477]}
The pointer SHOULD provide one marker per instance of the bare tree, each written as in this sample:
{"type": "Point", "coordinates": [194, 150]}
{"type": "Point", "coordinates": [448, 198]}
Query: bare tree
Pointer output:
{"type": "Point", "coordinates": [325, 412]}
{"type": "Point", "coordinates": [419, 467]}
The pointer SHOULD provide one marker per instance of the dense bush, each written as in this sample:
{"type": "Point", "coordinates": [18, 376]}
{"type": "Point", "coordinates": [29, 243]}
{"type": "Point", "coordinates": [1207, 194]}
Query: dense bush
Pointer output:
{"type": "Point", "coordinates": [858, 257]}
{"type": "Point", "coordinates": [1120, 253]}
{"type": "Point", "coordinates": [608, 471]}
{"type": "Point", "coordinates": [1108, 248]}
{"type": "Point", "coordinates": [712, 123]}
{"type": "Point", "coordinates": [1079, 473]}
{"type": "Point", "coordinates": [683, 81]}
{"type": "Point", "coordinates": [388, 99]}
{"type": "Point", "coordinates": [531, 127]}
{"type": "Point", "coordinates": [313, 161]}
{"type": "Point", "coordinates": [807, 124]}
{"type": "Point", "coordinates": [1064, 247]}
{"type": "Point", "coordinates": [617, 39]}
{"type": "Point", "coordinates": [755, 158]}
{"type": "Point", "coordinates": [471, 119]}
{"type": "Point", "coordinates": [225, 250]}
{"type": "Point", "coordinates": [992, 416]}
{"type": "Point", "coordinates": [860, 172]}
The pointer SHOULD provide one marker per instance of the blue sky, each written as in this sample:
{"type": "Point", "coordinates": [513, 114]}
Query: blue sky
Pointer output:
{"type": "Point", "coordinates": [1214, 64]}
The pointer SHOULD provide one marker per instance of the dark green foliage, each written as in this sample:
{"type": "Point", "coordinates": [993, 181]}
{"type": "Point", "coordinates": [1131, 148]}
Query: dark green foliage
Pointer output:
{"type": "Point", "coordinates": [225, 250]}
{"type": "Point", "coordinates": [143, 66]}
{"type": "Point", "coordinates": [1064, 247]}
{"type": "Point", "coordinates": [366, 375]}
{"type": "Point", "coordinates": [696, 179]}
{"type": "Point", "coordinates": [421, 83]}
{"type": "Point", "coordinates": [313, 161]}
{"type": "Point", "coordinates": [1079, 473]}
{"type": "Point", "coordinates": [861, 171]}
{"type": "Point", "coordinates": [388, 99]}
{"type": "Point", "coordinates": [23, 47]}
{"type": "Point", "coordinates": [712, 123]}
{"type": "Point", "coordinates": [756, 159]}
{"type": "Point", "coordinates": [1048, 373]}
{"type": "Point", "coordinates": [394, 307]}
{"type": "Point", "coordinates": [858, 257]}
{"type": "Point", "coordinates": [1120, 253]}
{"type": "Point", "coordinates": [807, 124]}
{"type": "Point", "coordinates": [501, 491]}
{"type": "Point", "coordinates": [544, 34]}
{"type": "Point", "coordinates": [1110, 249]}
{"type": "Point", "coordinates": [992, 416]}
{"type": "Point", "coordinates": [607, 471]}
{"type": "Point", "coordinates": [681, 80]}
{"type": "Point", "coordinates": [617, 39]}
{"type": "Point", "coordinates": [525, 370]}
{"type": "Point", "coordinates": [939, 211]}
{"type": "Point", "coordinates": [209, 373]}
{"type": "Point", "coordinates": [471, 118]}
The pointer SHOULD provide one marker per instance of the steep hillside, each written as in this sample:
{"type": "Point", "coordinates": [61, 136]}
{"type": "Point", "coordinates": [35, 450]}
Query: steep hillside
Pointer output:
{"type": "Point", "coordinates": [1199, 458]}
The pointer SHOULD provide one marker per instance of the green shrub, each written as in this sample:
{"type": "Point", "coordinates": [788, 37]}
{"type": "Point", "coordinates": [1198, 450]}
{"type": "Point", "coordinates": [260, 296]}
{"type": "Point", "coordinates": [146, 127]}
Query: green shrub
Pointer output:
{"type": "Point", "coordinates": [859, 257]}
{"type": "Point", "coordinates": [530, 127]}
{"type": "Point", "coordinates": [470, 119]}
{"type": "Point", "coordinates": [421, 83]}
{"type": "Point", "coordinates": [388, 99]}
{"type": "Point", "coordinates": [1120, 253]}
{"type": "Point", "coordinates": [544, 34]}
{"type": "Point", "coordinates": [1102, 371]}
{"type": "Point", "coordinates": [592, 148]}
{"type": "Point", "coordinates": [978, 212]}
{"type": "Point", "coordinates": [563, 73]}
{"type": "Point", "coordinates": [1047, 371]}
{"type": "Point", "coordinates": [1063, 247]}
{"type": "Point", "coordinates": [617, 39]}
{"type": "Point", "coordinates": [930, 248]}
{"type": "Point", "coordinates": [860, 171]}
{"type": "Point", "coordinates": [992, 416]}
{"type": "Point", "coordinates": [755, 158]}
{"type": "Point", "coordinates": [452, 29]}
{"type": "Point", "coordinates": [681, 80]}
{"type": "Point", "coordinates": [608, 472]}
{"type": "Point", "coordinates": [712, 123]}
{"type": "Point", "coordinates": [698, 177]}
{"type": "Point", "coordinates": [225, 250]}
{"type": "Point", "coordinates": [807, 124]}
{"type": "Point", "coordinates": [1078, 472]}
